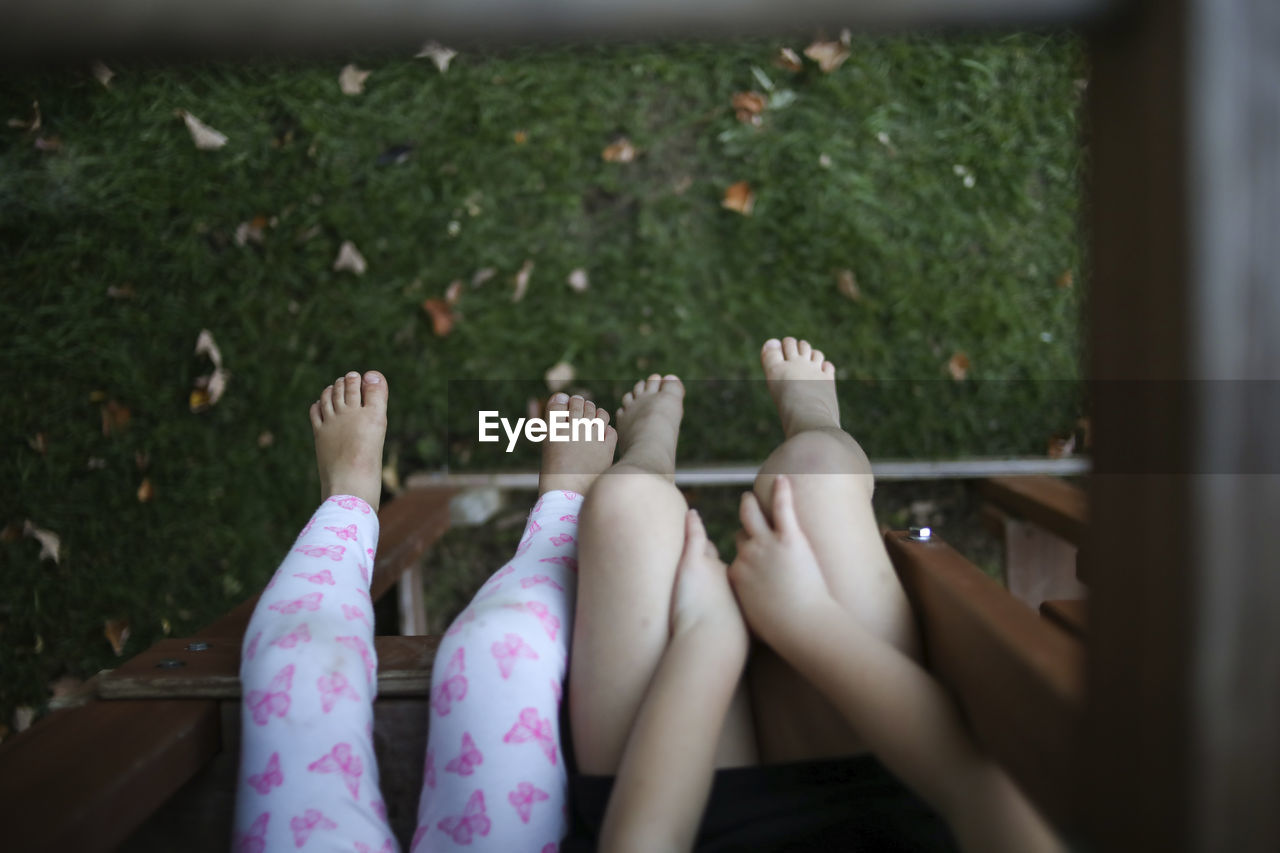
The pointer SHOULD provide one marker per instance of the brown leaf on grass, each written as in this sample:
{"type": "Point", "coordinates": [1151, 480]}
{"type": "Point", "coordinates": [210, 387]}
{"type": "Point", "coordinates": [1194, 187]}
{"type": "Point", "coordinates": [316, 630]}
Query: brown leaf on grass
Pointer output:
{"type": "Point", "coordinates": [117, 633]}
{"type": "Point", "coordinates": [440, 55]}
{"type": "Point", "coordinates": [847, 284]}
{"type": "Point", "coordinates": [1066, 280]}
{"type": "Point", "coordinates": [266, 439]}
{"type": "Point", "coordinates": [788, 59]}
{"type": "Point", "coordinates": [578, 280]}
{"type": "Point", "coordinates": [50, 544]}
{"type": "Point", "coordinates": [250, 232]}
{"type": "Point", "coordinates": [441, 316]}
{"type": "Point", "coordinates": [351, 80]}
{"type": "Point", "coordinates": [124, 291]}
{"type": "Point", "coordinates": [115, 417]}
{"type": "Point", "coordinates": [208, 389]}
{"type": "Point", "coordinates": [30, 125]}
{"type": "Point", "coordinates": [558, 376]}
{"type": "Point", "coordinates": [145, 491]}
{"type": "Point", "coordinates": [748, 106]}
{"type": "Point", "coordinates": [619, 151]}
{"type": "Point", "coordinates": [205, 137]}
{"type": "Point", "coordinates": [12, 532]}
{"type": "Point", "coordinates": [483, 275]}
{"type": "Point", "coordinates": [520, 137]}
{"type": "Point", "coordinates": [38, 443]}
{"type": "Point", "coordinates": [102, 74]}
{"type": "Point", "coordinates": [349, 259]}
{"type": "Point", "coordinates": [958, 366]}
{"type": "Point", "coordinates": [453, 292]}
{"type": "Point", "coordinates": [739, 198]}
{"type": "Point", "coordinates": [1061, 447]}
{"type": "Point", "coordinates": [829, 55]}
{"type": "Point", "coordinates": [522, 281]}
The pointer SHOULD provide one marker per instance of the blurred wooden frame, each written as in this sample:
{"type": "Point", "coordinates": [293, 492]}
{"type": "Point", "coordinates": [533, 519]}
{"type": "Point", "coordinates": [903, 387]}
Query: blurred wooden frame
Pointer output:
{"type": "Point", "coordinates": [1178, 745]}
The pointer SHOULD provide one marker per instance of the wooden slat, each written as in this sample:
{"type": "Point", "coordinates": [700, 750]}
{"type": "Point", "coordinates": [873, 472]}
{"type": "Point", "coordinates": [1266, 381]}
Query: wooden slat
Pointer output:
{"type": "Point", "coordinates": [85, 778]}
{"type": "Point", "coordinates": [1055, 505]}
{"type": "Point", "coordinates": [410, 525]}
{"type": "Point", "coordinates": [404, 669]}
{"type": "Point", "coordinates": [1072, 615]}
{"type": "Point", "coordinates": [1018, 680]}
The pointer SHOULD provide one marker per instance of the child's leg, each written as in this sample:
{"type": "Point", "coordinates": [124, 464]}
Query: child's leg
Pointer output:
{"type": "Point", "coordinates": [495, 777]}
{"type": "Point", "coordinates": [632, 537]}
{"type": "Point", "coordinates": [308, 775]}
{"type": "Point", "coordinates": [832, 483]}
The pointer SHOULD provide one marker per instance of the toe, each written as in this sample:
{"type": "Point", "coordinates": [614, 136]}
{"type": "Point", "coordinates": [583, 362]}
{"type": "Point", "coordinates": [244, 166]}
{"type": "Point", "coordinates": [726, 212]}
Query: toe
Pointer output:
{"type": "Point", "coordinates": [559, 402]}
{"type": "Point", "coordinates": [638, 388]}
{"type": "Point", "coordinates": [339, 393]}
{"type": "Point", "coordinates": [603, 414]}
{"type": "Point", "coordinates": [671, 384]}
{"type": "Point", "coordinates": [771, 352]}
{"type": "Point", "coordinates": [374, 391]}
{"type": "Point", "coordinates": [829, 369]}
{"type": "Point", "coordinates": [789, 347]}
{"type": "Point", "coordinates": [589, 410]}
{"type": "Point", "coordinates": [314, 414]}
{"type": "Point", "coordinates": [627, 400]}
{"type": "Point", "coordinates": [326, 401]}
{"type": "Point", "coordinates": [576, 404]}
{"type": "Point", "coordinates": [351, 389]}
{"type": "Point", "coordinates": [817, 357]}
{"type": "Point", "coordinates": [653, 383]}
{"type": "Point", "coordinates": [803, 349]}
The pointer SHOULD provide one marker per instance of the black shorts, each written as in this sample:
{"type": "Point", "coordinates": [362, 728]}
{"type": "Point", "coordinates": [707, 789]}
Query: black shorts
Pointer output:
{"type": "Point", "coordinates": [844, 804]}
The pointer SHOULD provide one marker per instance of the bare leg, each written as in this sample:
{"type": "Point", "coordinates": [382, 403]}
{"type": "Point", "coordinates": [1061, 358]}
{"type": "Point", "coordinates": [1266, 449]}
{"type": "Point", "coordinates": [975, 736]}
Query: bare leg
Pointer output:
{"type": "Point", "coordinates": [832, 481]}
{"type": "Point", "coordinates": [631, 536]}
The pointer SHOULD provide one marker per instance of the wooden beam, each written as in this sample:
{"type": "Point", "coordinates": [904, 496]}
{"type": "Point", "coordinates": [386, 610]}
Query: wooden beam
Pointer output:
{"type": "Point", "coordinates": [411, 524]}
{"type": "Point", "coordinates": [1056, 505]}
{"type": "Point", "coordinates": [1071, 615]}
{"type": "Point", "coordinates": [1018, 679]}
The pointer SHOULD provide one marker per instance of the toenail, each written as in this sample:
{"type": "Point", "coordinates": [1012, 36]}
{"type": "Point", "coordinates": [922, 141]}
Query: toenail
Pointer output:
{"type": "Point", "coordinates": [372, 378]}
{"type": "Point", "coordinates": [560, 397]}
{"type": "Point", "coordinates": [353, 375]}
{"type": "Point", "coordinates": [671, 376]}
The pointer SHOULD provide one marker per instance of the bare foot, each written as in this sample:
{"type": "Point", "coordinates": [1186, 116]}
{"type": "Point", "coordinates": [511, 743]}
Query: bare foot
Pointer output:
{"type": "Point", "coordinates": [649, 424]}
{"type": "Point", "coordinates": [350, 421]}
{"type": "Point", "coordinates": [573, 465]}
{"type": "Point", "coordinates": [803, 385]}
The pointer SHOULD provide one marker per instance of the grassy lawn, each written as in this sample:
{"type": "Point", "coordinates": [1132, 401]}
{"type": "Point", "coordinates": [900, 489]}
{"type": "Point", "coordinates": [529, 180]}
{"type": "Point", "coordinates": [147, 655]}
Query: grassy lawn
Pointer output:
{"type": "Point", "coordinates": [942, 173]}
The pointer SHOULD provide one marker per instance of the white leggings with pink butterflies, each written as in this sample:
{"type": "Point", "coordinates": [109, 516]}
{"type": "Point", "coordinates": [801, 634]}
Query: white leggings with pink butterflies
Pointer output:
{"type": "Point", "coordinates": [494, 775]}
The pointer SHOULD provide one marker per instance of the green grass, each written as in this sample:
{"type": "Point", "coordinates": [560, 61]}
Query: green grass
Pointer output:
{"type": "Point", "coordinates": [677, 283]}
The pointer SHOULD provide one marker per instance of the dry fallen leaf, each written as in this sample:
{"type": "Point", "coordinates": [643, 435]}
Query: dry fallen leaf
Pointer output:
{"type": "Point", "coordinates": [438, 54]}
{"type": "Point", "coordinates": [453, 292]}
{"type": "Point", "coordinates": [266, 439]}
{"type": "Point", "coordinates": [208, 389]}
{"type": "Point", "coordinates": [38, 443]}
{"type": "Point", "coordinates": [250, 232]}
{"type": "Point", "coordinates": [829, 55]}
{"type": "Point", "coordinates": [351, 80]}
{"type": "Point", "coordinates": [117, 633]}
{"type": "Point", "coordinates": [50, 544]}
{"type": "Point", "coordinates": [483, 275]}
{"type": "Point", "coordinates": [349, 259]}
{"type": "Point", "coordinates": [30, 125]}
{"type": "Point", "coordinates": [1061, 448]}
{"type": "Point", "coordinates": [102, 74]}
{"type": "Point", "coordinates": [619, 151]}
{"type": "Point", "coordinates": [115, 417]}
{"type": "Point", "coordinates": [847, 284]}
{"type": "Point", "coordinates": [748, 106]}
{"type": "Point", "coordinates": [23, 717]}
{"type": "Point", "coordinates": [441, 316]}
{"type": "Point", "coordinates": [958, 366]}
{"type": "Point", "coordinates": [522, 281]}
{"type": "Point", "coordinates": [205, 137]}
{"type": "Point", "coordinates": [578, 280]}
{"type": "Point", "coordinates": [125, 291]}
{"type": "Point", "coordinates": [145, 491]}
{"type": "Point", "coordinates": [739, 198]}
{"type": "Point", "coordinates": [520, 137]}
{"type": "Point", "coordinates": [1066, 280]}
{"type": "Point", "coordinates": [558, 375]}
{"type": "Point", "coordinates": [788, 59]}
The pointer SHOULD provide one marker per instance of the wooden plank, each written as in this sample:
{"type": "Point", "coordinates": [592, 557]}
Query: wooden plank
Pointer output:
{"type": "Point", "coordinates": [411, 524]}
{"type": "Point", "coordinates": [1018, 680]}
{"type": "Point", "coordinates": [413, 605]}
{"type": "Point", "coordinates": [1056, 505]}
{"type": "Point", "coordinates": [83, 779]}
{"type": "Point", "coordinates": [404, 669]}
{"type": "Point", "coordinates": [1071, 615]}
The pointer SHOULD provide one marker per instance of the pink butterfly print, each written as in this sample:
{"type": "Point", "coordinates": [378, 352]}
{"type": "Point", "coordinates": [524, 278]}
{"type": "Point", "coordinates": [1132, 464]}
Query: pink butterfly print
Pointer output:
{"type": "Point", "coordinates": [310, 601]}
{"type": "Point", "coordinates": [509, 649]}
{"type": "Point", "coordinates": [351, 502]}
{"type": "Point", "coordinates": [344, 533]}
{"type": "Point", "coordinates": [255, 840]}
{"type": "Point", "coordinates": [301, 634]}
{"type": "Point", "coordinates": [369, 551]}
{"type": "Point", "coordinates": [488, 592]}
{"type": "Point", "coordinates": [568, 562]}
{"type": "Point", "coordinates": [358, 645]}
{"type": "Point", "coordinates": [379, 808]}
{"type": "Point", "coordinates": [557, 691]}
{"type": "Point", "coordinates": [309, 822]}
{"type": "Point", "coordinates": [550, 623]}
{"type": "Point", "coordinates": [523, 798]}
{"type": "Point", "coordinates": [252, 648]}
{"type": "Point", "coordinates": [418, 834]}
{"type": "Point", "coordinates": [530, 727]}
{"type": "Point", "coordinates": [351, 612]}
{"type": "Point", "coordinates": [502, 572]}
{"type": "Point", "coordinates": [468, 759]}
{"type": "Point", "coordinates": [340, 760]}
{"type": "Point", "coordinates": [571, 518]}
{"type": "Point", "coordinates": [332, 688]}
{"type": "Point", "coordinates": [467, 616]}
{"type": "Point", "coordinates": [537, 507]}
{"type": "Point", "coordinates": [534, 527]}
{"type": "Point", "coordinates": [561, 539]}
{"type": "Point", "coordinates": [333, 552]}
{"type": "Point", "coordinates": [269, 778]}
{"type": "Point", "coordinates": [454, 687]}
{"type": "Point", "coordinates": [429, 771]}
{"type": "Point", "coordinates": [324, 576]}
{"type": "Point", "coordinates": [472, 821]}
{"type": "Point", "coordinates": [273, 700]}
{"type": "Point", "coordinates": [311, 522]}
{"type": "Point", "coordinates": [364, 572]}
{"type": "Point", "coordinates": [570, 496]}
{"type": "Point", "coordinates": [366, 848]}
{"type": "Point", "coordinates": [364, 593]}
{"type": "Point", "coordinates": [537, 579]}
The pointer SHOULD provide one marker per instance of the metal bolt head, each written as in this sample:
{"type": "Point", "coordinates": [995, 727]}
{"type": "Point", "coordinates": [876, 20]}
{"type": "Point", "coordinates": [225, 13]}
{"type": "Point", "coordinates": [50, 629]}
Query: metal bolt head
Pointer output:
{"type": "Point", "coordinates": [197, 646]}
{"type": "Point", "coordinates": [920, 534]}
{"type": "Point", "coordinates": [170, 663]}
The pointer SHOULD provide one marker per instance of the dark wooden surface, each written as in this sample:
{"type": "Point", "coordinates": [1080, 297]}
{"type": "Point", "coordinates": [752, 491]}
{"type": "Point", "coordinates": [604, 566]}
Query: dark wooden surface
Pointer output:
{"type": "Point", "coordinates": [1070, 614]}
{"type": "Point", "coordinates": [1054, 504]}
{"type": "Point", "coordinates": [1018, 680]}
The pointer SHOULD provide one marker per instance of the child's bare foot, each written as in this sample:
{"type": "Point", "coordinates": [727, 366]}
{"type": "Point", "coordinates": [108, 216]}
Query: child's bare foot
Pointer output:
{"type": "Point", "coordinates": [350, 421]}
{"type": "Point", "coordinates": [573, 465]}
{"type": "Point", "coordinates": [649, 424]}
{"type": "Point", "coordinates": [803, 385]}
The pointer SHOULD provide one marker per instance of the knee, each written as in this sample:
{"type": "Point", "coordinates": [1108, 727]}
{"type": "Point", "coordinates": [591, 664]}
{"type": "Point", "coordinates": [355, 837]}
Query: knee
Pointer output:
{"type": "Point", "coordinates": [622, 496]}
{"type": "Point", "coordinates": [816, 451]}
